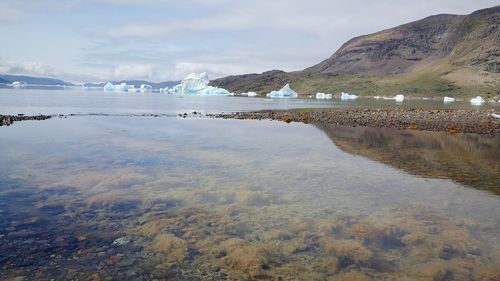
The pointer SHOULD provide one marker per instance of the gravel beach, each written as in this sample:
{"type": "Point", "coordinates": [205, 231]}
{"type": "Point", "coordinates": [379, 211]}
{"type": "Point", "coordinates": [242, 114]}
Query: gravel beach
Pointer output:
{"type": "Point", "coordinates": [452, 121]}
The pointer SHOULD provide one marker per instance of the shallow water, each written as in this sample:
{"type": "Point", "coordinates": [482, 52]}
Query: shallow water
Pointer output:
{"type": "Point", "coordinates": [204, 199]}
{"type": "Point", "coordinates": [76, 101]}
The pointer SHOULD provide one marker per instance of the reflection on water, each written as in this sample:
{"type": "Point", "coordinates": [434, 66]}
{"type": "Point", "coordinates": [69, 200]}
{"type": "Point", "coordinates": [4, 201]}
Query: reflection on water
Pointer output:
{"type": "Point", "coordinates": [467, 159]}
{"type": "Point", "coordinates": [174, 199]}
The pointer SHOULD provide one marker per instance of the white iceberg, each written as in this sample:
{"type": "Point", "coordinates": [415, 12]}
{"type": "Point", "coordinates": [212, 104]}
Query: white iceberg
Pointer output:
{"type": "Point", "coordinates": [285, 92]}
{"type": "Point", "coordinates": [146, 88]}
{"type": "Point", "coordinates": [399, 98]}
{"type": "Point", "coordinates": [109, 87]}
{"type": "Point", "coordinates": [376, 97]}
{"type": "Point", "coordinates": [495, 115]}
{"type": "Point", "coordinates": [346, 96]}
{"type": "Point", "coordinates": [132, 89]}
{"type": "Point", "coordinates": [323, 96]}
{"type": "Point", "coordinates": [18, 85]}
{"type": "Point", "coordinates": [448, 99]}
{"type": "Point", "coordinates": [250, 94]}
{"type": "Point", "coordinates": [477, 101]}
{"type": "Point", "coordinates": [197, 84]}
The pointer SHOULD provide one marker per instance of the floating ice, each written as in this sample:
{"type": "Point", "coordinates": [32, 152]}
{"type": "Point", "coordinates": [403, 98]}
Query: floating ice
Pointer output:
{"type": "Point", "coordinates": [249, 94]}
{"type": "Point", "coordinates": [399, 98]}
{"type": "Point", "coordinates": [477, 101]}
{"type": "Point", "coordinates": [323, 96]}
{"type": "Point", "coordinates": [495, 115]}
{"type": "Point", "coordinates": [197, 84]}
{"type": "Point", "coordinates": [18, 84]}
{"type": "Point", "coordinates": [448, 99]}
{"type": "Point", "coordinates": [376, 97]}
{"type": "Point", "coordinates": [346, 96]}
{"type": "Point", "coordinates": [146, 88]}
{"type": "Point", "coordinates": [285, 92]}
{"type": "Point", "coordinates": [109, 87]}
{"type": "Point", "coordinates": [132, 89]}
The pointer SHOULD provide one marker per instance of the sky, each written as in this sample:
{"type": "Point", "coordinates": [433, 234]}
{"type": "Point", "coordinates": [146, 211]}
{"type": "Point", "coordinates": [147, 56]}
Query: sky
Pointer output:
{"type": "Point", "coordinates": [164, 40]}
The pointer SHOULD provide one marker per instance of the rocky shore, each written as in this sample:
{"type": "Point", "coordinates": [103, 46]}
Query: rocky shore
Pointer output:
{"type": "Point", "coordinates": [7, 120]}
{"type": "Point", "coordinates": [452, 121]}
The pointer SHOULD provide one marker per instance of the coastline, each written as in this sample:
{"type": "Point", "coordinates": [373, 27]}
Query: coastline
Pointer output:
{"type": "Point", "coordinates": [7, 120]}
{"type": "Point", "coordinates": [452, 121]}
{"type": "Point", "coordinates": [472, 121]}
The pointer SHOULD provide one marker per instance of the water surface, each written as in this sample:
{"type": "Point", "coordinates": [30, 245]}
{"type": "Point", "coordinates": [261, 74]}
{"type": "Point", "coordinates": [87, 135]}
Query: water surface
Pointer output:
{"type": "Point", "coordinates": [76, 101]}
{"type": "Point", "coordinates": [203, 199]}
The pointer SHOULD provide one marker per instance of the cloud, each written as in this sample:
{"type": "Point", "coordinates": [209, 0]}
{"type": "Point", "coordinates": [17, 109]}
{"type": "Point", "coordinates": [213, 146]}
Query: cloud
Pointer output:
{"type": "Point", "coordinates": [134, 71]}
{"type": "Point", "coordinates": [10, 15]}
{"type": "Point", "coordinates": [215, 70]}
{"type": "Point", "coordinates": [28, 68]}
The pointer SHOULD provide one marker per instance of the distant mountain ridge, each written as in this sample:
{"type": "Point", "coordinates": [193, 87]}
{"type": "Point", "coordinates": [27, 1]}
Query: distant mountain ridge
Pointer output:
{"type": "Point", "coordinates": [34, 80]}
{"type": "Point", "coordinates": [137, 83]}
{"type": "Point", "coordinates": [435, 55]}
{"type": "Point", "coordinates": [44, 81]}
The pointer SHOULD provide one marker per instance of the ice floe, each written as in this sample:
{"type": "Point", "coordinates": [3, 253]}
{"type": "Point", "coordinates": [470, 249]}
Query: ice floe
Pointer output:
{"type": "Point", "coordinates": [323, 96]}
{"type": "Point", "coordinates": [285, 92]}
{"type": "Point", "coordinates": [109, 87]}
{"type": "Point", "coordinates": [399, 98]}
{"type": "Point", "coordinates": [17, 84]}
{"type": "Point", "coordinates": [346, 96]}
{"type": "Point", "coordinates": [146, 88]}
{"type": "Point", "coordinates": [197, 84]}
{"type": "Point", "coordinates": [249, 94]}
{"type": "Point", "coordinates": [448, 99]}
{"type": "Point", "coordinates": [477, 101]}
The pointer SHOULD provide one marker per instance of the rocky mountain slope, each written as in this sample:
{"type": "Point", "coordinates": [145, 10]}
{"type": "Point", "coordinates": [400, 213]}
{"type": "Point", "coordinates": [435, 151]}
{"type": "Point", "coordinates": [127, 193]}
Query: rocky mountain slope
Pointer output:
{"type": "Point", "coordinates": [432, 56]}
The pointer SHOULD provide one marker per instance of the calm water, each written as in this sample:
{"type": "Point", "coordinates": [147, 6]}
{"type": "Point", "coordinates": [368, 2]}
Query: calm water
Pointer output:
{"type": "Point", "coordinates": [31, 101]}
{"type": "Point", "coordinates": [139, 198]}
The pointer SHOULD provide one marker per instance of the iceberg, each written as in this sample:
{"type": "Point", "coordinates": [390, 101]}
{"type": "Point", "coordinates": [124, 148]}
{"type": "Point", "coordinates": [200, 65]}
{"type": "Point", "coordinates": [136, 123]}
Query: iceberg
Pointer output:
{"type": "Point", "coordinates": [18, 85]}
{"type": "Point", "coordinates": [323, 96]}
{"type": "Point", "coordinates": [146, 88]}
{"type": "Point", "coordinates": [399, 98]}
{"type": "Point", "coordinates": [197, 84]}
{"type": "Point", "coordinates": [249, 94]}
{"type": "Point", "coordinates": [132, 89]}
{"type": "Point", "coordinates": [285, 92]}
{"type": "Point", "coordinates": [109, 87]}
{"type": "Point", "coordinates": [448, 99]}
{"type": "Point", "coordinates": [477, 101]}
{"type": "Point", "coordinates": [346, 96]}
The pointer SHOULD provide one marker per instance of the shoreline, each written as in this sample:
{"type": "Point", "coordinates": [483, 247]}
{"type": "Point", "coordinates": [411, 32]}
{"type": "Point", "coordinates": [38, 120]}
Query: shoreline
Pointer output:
{"type": "Point", "coordinates": [7, 120]}
{"type": "Point", "coordinates": [452, 121]}
{"type": "Point", "coordinates": [472, 121]}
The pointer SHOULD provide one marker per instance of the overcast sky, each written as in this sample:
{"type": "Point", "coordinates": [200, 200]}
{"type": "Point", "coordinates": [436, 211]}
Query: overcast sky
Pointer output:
{"type": "Point", "coordinates": [160, 40]}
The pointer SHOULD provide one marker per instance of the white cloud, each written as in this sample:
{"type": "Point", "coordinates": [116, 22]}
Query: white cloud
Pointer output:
{"type": "Point", "coordinates": [134, 71]}
{"type": "Point", "coordinates": [10, 15]}
{"type": "Point", "coordinates": [28, 68]}
{"type": "Point", "coordinates": [214, 70]}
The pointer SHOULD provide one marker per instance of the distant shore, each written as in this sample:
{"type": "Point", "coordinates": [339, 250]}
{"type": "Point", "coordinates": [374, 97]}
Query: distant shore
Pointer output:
{"type": "Point", "coordinates": [452, 121]}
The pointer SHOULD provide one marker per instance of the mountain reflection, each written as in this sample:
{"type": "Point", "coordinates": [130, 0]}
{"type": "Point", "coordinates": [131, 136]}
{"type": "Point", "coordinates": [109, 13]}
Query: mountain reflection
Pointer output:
{"type": "Point", "coordinates": [468, 159]}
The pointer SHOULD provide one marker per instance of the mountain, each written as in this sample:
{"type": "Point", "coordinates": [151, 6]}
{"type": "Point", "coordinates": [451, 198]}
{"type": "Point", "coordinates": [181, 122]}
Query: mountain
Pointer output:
{"type": "Point", "coordinates": [437, 55]}
{"type": "Point", "coordinates": [35, 80]}
{"type": "Point", "coordinates": [137, 83]}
